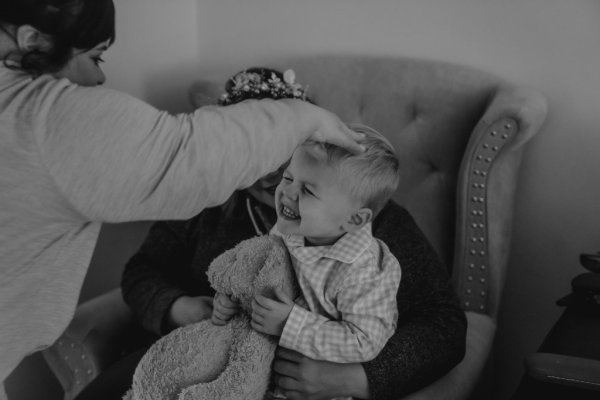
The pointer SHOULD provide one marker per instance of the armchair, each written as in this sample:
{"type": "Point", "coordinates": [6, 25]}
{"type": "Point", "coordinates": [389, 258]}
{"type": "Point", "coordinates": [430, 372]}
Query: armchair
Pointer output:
{"type": "Point", "coordinates": [460, 133]}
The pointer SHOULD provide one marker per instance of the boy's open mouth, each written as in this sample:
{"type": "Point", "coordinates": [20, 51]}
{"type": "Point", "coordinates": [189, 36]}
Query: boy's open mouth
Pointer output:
{"type": "Point", "coordinates": [288, 213]}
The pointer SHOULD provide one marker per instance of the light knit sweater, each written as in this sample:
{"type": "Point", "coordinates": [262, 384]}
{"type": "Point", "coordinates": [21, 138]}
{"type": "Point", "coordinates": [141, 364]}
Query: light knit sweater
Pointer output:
{"type": "Point", "coordinates": [72, 157]}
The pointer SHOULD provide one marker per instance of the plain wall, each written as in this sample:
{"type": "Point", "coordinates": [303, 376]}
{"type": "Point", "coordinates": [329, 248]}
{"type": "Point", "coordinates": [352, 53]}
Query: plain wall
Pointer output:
{"type": "Point", "coordinates": [552, 45]}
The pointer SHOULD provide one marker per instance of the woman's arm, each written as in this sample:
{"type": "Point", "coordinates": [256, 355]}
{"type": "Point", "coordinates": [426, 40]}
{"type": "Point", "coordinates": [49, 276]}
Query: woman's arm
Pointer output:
{"type": "Point", "coordinates": [155, 277]}
{"type": "Point", "coordinates": [116, 158]}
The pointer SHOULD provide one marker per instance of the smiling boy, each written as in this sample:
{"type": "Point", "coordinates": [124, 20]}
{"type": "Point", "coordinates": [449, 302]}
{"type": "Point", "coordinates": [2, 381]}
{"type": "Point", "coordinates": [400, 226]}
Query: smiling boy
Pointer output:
{"type": "Point", "coordinates": [325, 204]}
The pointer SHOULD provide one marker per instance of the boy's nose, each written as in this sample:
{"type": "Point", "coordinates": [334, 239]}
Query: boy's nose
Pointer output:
{"type": "Point", "coordinates": [291, 192]}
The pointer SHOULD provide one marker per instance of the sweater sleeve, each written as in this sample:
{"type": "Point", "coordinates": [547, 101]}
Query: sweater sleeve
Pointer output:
{"type": "Point", "coordinates": [115, 158]}
{"type": "Point", "coordinates": [430, 336]}
{"type": "Point", "coordinates": [152, 278]}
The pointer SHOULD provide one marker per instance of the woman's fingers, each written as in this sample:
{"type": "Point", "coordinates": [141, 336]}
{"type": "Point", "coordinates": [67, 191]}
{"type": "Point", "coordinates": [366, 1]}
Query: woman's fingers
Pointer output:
{"type": "Point", "coordinates": [341, 136]}
{"type": "Point", "coordinates": [288, 355]}
{"type": "Point", "coordinates": [286, 383]}
{"type": "Point", "coordinates": [285, 367]}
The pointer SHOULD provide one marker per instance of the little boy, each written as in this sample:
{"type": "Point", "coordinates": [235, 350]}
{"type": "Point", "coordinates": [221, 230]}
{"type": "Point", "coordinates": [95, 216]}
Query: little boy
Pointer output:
{"type": "Point", "coordinates": [325, 204]}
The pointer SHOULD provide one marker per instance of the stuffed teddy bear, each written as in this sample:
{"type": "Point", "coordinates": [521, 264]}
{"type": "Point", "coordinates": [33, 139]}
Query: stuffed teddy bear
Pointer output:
{"type": "Point", "coordinates": [206, 361]}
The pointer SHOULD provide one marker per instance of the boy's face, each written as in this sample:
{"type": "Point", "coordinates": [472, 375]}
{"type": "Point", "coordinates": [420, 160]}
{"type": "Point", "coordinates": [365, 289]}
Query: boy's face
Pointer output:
{"type": "Point", "coordinates": [310, 201]}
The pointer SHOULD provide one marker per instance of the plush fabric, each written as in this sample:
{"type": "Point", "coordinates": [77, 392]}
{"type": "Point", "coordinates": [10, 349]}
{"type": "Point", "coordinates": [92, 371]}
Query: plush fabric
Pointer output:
{"type": "Point", "coordinates": [232, 362]}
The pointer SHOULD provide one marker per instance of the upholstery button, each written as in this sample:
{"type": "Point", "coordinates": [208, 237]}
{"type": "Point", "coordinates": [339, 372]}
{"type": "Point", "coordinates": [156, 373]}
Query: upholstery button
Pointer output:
{"type": "Point", "coordinates": [482, 307]}
{"type": "Point", "coordinates": [479, 157]}
{"type": "Point", "coordinates": [471, 266]}
{"type": "Point", "coordinates": [495, 148]}
{"type": "Point", "coordinates": [468, 291]}
{"type": "Point", "coordinates": [469, 278]}
{"type": "Point", "coordinates": [505, 136]}
{"type": "Point", "coordinates": [482, 293]}
{"type": "Point", "coordinates": [482, 253]}
{"type": "Point", "coordinates": [485, 146]}
{"type": "Point", "coordinates": [473, 252]}
{"type": "Point", "coordinates": [482, 267]}
{"type": "Point", "coordinates": [482, 280]}
{"type": "Point", "coordinates": [488, 160]}
{"type": "Point", "coordinates": [508, 126]}
{"type": "Point", "coordinates": [467, 304]}
{"type": "Point", "coordinates": [494, 133]}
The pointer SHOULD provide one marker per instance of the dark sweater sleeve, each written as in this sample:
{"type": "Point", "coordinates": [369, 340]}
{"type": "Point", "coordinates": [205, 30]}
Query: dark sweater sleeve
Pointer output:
{"type": "Point", "coordinates": [152, 278]}
{"type": "Point", "coordinates": [431, 332]}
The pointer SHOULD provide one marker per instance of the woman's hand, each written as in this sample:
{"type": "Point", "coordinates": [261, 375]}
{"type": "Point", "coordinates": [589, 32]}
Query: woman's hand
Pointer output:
{"type": "Point", "coordinates": [324, 126]}
{"type": "Point", "coordinates": [187, 310]}
{"type": "Point", "coordinates": [300, 377]}
{"type": "Point", "coordinates": [224, 308]}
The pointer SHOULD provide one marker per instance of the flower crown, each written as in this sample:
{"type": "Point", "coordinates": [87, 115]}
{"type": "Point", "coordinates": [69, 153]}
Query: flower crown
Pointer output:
{"type": "Point", "coordinates": [253, 85]}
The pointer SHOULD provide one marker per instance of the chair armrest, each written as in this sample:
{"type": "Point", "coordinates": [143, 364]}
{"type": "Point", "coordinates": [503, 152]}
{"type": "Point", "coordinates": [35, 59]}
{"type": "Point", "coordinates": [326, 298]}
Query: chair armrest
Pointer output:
{"type": "Point", "coordinates": [485, 195]}
{"type": "Point", "coordinates": [460, 382]}
{"type": "Point", "coordinates": [92, 341]}
{"type": "Point", "coordinates": [579, 372]}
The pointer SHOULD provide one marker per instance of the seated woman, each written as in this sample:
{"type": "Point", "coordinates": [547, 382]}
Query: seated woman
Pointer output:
{"type": "Point", "coordinates": [165, 284]}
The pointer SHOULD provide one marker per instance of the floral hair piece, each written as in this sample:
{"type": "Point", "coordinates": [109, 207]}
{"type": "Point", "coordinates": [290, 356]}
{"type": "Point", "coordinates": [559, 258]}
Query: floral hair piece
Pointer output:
{"type": "Point", "coordinates": [249, 84]}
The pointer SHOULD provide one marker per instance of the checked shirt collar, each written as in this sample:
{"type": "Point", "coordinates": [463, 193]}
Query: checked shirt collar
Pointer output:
{"type": "Point", "coordinates": [347, 249]}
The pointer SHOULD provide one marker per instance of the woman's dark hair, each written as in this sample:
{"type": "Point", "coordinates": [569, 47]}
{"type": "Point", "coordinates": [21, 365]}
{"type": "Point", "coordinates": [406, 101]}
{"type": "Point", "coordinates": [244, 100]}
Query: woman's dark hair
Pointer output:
{"type": "Point", "coordinates": [71, 24]}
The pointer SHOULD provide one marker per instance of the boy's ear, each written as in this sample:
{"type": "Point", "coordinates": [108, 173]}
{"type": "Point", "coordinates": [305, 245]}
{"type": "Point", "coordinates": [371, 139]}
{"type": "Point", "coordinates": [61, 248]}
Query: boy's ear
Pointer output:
{"type": "Point", "coordinates": [358, 219]}
{"type": "Point", "coordinates": [29, 39]}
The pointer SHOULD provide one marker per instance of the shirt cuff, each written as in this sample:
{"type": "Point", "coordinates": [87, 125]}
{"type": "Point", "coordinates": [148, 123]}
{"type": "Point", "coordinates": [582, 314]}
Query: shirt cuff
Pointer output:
{"type": "Point", "coordinates": [292, 327]}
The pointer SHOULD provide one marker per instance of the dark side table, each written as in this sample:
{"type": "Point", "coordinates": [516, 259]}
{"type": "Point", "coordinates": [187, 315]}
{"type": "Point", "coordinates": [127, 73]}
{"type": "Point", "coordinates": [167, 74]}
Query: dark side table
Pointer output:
{"type": "Point", "coordinates": [567, 364]}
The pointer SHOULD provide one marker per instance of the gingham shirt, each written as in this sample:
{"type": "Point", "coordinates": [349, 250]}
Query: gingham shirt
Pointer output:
{"type": "Point", "coordinates": [347, 310]}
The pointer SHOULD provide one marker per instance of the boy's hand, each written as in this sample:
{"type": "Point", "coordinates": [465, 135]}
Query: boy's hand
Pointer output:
{"type": "Point", "coordinates": [269, 315]}
{"type": "Point", "coordinates": [187, 310]}
{"type": "Point", "coordinates": [224, 308]}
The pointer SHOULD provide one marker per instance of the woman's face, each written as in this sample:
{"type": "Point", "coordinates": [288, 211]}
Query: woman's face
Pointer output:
{"type": "Point", "coordinates": [84, 67]}
{"type": "Point", "coordinates": [263, 189]}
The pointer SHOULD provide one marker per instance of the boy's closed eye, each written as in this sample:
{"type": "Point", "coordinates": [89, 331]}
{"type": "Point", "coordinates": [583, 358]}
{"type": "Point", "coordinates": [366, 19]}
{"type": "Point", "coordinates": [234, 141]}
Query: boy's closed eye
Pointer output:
{"type": "Point", "coordinates": [308, 191]}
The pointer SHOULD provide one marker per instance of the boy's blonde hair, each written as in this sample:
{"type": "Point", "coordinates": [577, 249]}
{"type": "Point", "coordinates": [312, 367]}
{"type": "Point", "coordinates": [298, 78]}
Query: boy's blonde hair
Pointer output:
{"type": "Point", "coordinates": [371, 177]}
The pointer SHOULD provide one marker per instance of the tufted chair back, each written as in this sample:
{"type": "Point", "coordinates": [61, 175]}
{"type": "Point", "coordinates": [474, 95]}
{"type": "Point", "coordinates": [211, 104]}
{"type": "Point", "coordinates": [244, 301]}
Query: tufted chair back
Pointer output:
{"type": "Point", "coordinates": [459, 133]}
